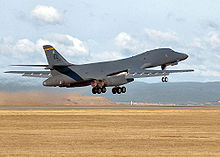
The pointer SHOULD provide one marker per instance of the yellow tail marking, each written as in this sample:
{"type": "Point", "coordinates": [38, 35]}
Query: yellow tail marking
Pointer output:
{"type": "Point", "coordinates": [51, 48]}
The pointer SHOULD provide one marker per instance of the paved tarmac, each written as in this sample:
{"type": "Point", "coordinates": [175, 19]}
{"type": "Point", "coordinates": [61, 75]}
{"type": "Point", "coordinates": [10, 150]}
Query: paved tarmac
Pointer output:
{"type": "Point", "coordinates": [115, 107]}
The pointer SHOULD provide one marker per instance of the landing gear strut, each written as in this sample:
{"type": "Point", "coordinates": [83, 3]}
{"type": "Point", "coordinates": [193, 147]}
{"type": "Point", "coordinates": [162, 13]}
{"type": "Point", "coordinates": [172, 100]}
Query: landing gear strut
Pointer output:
{"type": "Point", "coordinates": [98, 87]}
{"type": "Point", "coordinates": [118, 90]}
{"type": "Point", "coordinates": [164, 79]}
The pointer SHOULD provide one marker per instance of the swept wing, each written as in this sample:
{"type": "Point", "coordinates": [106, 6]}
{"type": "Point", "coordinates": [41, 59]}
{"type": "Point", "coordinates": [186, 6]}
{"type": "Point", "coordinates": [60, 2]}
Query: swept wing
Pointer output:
{"type": "Point", "coordinates": [152, 73]}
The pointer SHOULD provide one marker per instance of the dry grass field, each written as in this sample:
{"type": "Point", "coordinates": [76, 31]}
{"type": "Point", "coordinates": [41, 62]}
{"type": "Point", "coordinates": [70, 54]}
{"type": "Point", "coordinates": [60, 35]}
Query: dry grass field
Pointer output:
{"type": "Point", "coordinates": [110, 133]}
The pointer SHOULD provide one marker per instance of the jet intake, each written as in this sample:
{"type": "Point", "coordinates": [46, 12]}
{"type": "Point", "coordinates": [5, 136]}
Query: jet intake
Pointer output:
{"type": "Point", "coordinates": [163, 67]}
{"type": "Point", "coordinates": [174, 63]}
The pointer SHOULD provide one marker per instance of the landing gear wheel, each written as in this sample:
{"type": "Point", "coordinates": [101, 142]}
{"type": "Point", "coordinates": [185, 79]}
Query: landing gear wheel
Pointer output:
{"type": "Point", "coordinates": [164, 79]}
{"type": "Point", "coordinates": [119, 90]}
{"type": "Point", "coordinates": [114, 91]}
{"type": "Point", "coordinates": [123, 90]}
{"type": "Point", "coordinates": [94, 90]}
{"type": "Point", "coordinates": [103, 90]}
{"type": "Point", "coordinates": [99, 90]}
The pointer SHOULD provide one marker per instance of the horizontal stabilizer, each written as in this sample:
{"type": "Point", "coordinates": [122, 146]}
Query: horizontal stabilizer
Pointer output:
{"type": "Point", "coordinates": [45, 66]}
{"type": "Point", "coordinates": [30, 65]}
{"type": "Point", "coordinates": [42, 74]}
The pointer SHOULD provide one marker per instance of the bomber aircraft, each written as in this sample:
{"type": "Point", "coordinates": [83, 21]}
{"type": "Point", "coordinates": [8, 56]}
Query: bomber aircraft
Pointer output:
{"type": "Point", "coordinates": [100, 75]}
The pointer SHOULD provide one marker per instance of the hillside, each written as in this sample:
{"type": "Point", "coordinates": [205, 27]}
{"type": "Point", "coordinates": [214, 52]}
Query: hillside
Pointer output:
{"type": "Point", "coordinates": [162, 93]}
{"type": "Point", "coordinates": [32, 98]}
{"type": "Point", "coordinates": [168, 93]}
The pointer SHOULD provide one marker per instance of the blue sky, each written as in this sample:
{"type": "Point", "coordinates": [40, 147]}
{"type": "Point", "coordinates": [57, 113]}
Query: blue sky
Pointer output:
{"type": "Point", "coordinates": [94, 30]}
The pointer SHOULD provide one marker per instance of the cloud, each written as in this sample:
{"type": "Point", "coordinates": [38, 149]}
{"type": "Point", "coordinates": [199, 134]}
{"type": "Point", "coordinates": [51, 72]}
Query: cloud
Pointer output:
{"type": "Point", "coordinates": [125, 41]}
{"type": "Point", "coordinates": [45, 15]}
{"type": "Point", "coordinates": [196, 43]}
{"type": "Point", "coordinates": [106, 56]}
{"type": "Point", "coordinates": [128, 45]}
{"type": "Point", "coordinates": [204, 55]}
{"type": "Point", "coordinates": [16, 49]}
{"type": "Point", "coordinates": [160, 37]}
{"type": "Point", "coordinates": [24, 45]}
{"type": "Point", "coordinates": [71, 46]}
{"type": "Point", "coordinates": [25, 49]}
{"type": "Point", "coordinates": [213, 40]}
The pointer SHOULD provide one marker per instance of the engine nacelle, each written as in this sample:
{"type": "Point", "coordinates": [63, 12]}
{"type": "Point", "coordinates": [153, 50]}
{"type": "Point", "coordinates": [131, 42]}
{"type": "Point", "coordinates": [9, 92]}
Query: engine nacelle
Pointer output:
{"type": "Point", "coordinates": [117, 80]}
{"type": "Point", "coordinates": [52, 81]}
{"type": "Point", "coordinates": [57, 81]}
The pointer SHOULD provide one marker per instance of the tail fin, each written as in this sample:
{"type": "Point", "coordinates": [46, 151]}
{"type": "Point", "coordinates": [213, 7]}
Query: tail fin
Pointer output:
{"type": "Point", "coordinates": [54, 58]}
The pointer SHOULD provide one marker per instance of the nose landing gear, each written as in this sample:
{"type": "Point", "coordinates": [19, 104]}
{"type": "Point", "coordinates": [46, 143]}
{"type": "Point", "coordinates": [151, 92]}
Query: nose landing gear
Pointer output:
{"type": "Point", "coordinates": [164, 79]}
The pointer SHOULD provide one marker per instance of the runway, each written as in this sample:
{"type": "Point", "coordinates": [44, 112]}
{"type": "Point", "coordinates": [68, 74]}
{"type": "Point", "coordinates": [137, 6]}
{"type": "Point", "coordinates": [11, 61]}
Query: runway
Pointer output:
{"type": "Point", "coordinates": [115, 107]}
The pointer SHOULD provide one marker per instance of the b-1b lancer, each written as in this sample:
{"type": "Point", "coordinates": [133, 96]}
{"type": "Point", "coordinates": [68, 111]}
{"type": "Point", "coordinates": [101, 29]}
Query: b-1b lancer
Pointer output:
{"type": "Point", "coordinates": [100, 75]}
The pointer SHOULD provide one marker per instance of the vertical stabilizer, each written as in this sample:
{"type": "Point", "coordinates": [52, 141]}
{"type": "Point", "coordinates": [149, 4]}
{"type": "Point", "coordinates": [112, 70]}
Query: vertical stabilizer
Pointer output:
{"type": "Point", "coordinates": [53, 57]}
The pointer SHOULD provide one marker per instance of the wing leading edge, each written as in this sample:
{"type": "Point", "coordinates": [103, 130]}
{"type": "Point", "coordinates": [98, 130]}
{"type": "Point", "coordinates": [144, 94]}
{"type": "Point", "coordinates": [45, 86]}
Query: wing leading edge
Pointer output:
{"type": "Point", "coordinates": [42, 74]}
{"type": "Point", "coordinates": [152, 73]}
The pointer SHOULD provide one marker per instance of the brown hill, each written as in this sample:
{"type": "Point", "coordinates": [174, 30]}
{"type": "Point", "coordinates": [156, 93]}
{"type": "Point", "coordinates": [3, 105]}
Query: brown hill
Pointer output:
{"type": "Point", "coordinates": [49, 98]}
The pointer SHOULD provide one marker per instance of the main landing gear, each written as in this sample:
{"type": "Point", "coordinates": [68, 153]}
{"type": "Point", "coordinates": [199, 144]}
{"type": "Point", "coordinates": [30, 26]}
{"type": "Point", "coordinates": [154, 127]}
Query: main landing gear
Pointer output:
{"type": "Point", "coordinates": [99, 90]}
{"type": "Point", "coordinates": [164, 79]}
{"type": "Point", "coordinates": [99, 87]}
{"type": "Point", "coordinates": [118, 90]}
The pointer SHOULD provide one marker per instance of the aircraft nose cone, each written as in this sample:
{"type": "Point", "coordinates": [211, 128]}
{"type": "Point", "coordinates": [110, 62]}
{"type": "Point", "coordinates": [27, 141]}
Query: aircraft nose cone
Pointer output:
{"type": "Point", "coordinates": [185, 56]}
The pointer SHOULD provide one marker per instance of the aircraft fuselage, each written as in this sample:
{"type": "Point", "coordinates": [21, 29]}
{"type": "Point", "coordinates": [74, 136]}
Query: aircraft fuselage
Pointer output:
{"type": "Point", "coordinates": [112, 72]}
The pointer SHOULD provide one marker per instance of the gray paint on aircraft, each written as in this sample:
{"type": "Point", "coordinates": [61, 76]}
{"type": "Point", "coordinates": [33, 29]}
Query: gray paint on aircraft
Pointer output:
{"type": "Point", "coordinates": [113, 73]}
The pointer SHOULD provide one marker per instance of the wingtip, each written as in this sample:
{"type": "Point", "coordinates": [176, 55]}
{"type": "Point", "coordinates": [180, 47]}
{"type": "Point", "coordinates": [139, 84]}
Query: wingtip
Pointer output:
{"type": "Point", "coordinates": [13, 65]}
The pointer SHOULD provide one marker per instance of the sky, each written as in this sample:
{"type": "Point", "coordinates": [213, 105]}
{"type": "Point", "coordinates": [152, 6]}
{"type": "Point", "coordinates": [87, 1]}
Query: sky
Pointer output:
{"type": "Point", "coordinates": [86, 31]}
